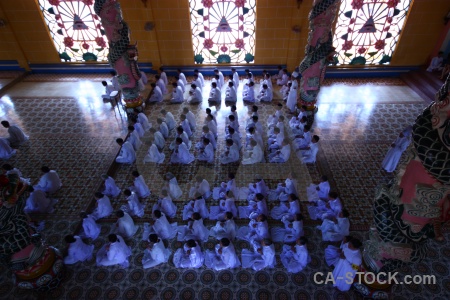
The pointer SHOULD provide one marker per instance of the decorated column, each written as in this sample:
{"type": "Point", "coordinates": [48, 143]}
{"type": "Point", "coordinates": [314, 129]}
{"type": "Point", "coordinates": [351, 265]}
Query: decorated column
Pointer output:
{"type": "Point", "coordinates": [122, 56]}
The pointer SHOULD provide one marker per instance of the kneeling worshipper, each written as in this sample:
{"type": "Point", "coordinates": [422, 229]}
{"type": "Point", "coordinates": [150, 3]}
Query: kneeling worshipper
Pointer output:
{"type": "Point", "coordinates": [155, 253]}
{"type": "Point", "coordinates": [186, 125]}
{"type": "Point", "coordinates": [309, 154]}
{"type": "Point", "coordinates": [169, 119]}
{"type": "Point", "coordinates": [91, 230]}
{"type": "Point", "coordinates": [394, 154]}
{"type": "Point", "coordinates": [103, 207]}
{"type": "Point", "coordinates": [158, 139]}
{"type": "Point", "coordinates": [190, 117]}
{"type": "Point", "coordinates": [266, 94]}
{"type": "Point", "coordinates": [248, 95]}
{"type": "Point", "coordinates": [16, 136]}
{"type": "Point", "coordinates": [137, 127]}
{"type": "Point", "coordinates": [234, 136]}
{"type": "Point", "coordinates": [183, 135]}
{"type": "Point", "coordinates": [206, 152]}
{"type": "Point", "coordinates": [163, 128]}
{"type": "Point", "coordinates": [325, 209]}
{"type": "Point", "coordinates": [127, 155]}
{"type": "Point", "coordinates": [303, 141]}
{"type": "Point", "coordinates": [133, 138]}
{"type": "Point", "coordinates": [195, 95]}
{"type": "Point", "coordinates": [255, 232]}
{"type": "Point", "coordinates": [225, 205]}
{"type": "Point", "coordinates": [165, 204]}
{"type": "Point", "coordinates": [111, 189]}
{"type": "Point", "coordinates": [254, 208]}
{"type": "Point", "coordinates": [295, 258]}
{"type": "Point", "coordinates": [78, 250]}
{"type": "Point", "coordinates": [259, 187]}
{"type": "Point", "coordinates": [191, 256]}
{"type": "Point", "coordinates": [224, 256]}
{"type": "Point", "coordinates": [283, 190]}
{"type": "Point", "coordinates": [282, 155]}
{"type": "Point", "coordinates": [206, 134]}
{"type": "Point", "coordinates": [38, 202]}
{"type": "Point", "coordinates": [140, 187]}
{"type": "Point", "coordinates": [181, 154]}
{"type": "Point", "coordinates": [263, 257]}
{"type": "Point", "coordinates": [333, 253]}
{"type": "Point", "coordinates": [226, 228]}
{"type": "Point", "coordinates": [6, 152]}
{"type": "Point", "coordinates": [125, 225]}
{"type": "Point", "coordinates": [116, 252]}
{"type": "Point", "coordinates": [177, 94]}
{"type": "Point", "coordinates": [162, 227]}
{"type": "Point", "coordinates": [193, 230]}
{"type": "Point", "coordinates": [215, 95]}
{"type": "Point", "coordinates": [286, 209]}
{"type": "Point", "coordinates": [319, 191]}
{"type": "Point", "coordinates": [253, 155]}
{"type": "Point", "coordinates": [134, 207]}
{"type": "Point", "coordinates": [201, 187]}
{"type": "Point", "coordinates": [156, 94]}
{"type": "Point", "coordinates": [292, 231]}
{"type": "Point", "coordinates": [172, 186]}
{"type": "Point", "coordinates": [143, 120]}
{"type": "Point", "coordinates": [198, 205]}
{"type": "Point", "coordinates": [231, 154]}
{"type": "Point", "coordinates": [153, 155]}
{"type": "Point", "coordinates": [349, 263]}
{"type": "Point", "coordinates": [336, 229]}
{"type": "Point", "coordinates": [49, 181]}
{"type": "Point", "coordinates": [230, 93]}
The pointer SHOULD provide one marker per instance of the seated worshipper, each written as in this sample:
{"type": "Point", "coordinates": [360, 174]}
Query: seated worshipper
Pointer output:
{"type": "Point", "coordinates": [195, 95]}
{"type": "Point", "coordinates": [211, 114]}
{"type": "Point", "coordinates": [287, 209]}
{"type": "Point", "coordinates": [292, 231]}
{"type": "Point", "coordinates": [265, 81]}
{"type": "Point", "coordinates": [38, 202]}
{"type": "Point", "coordinates": [252, 113]}
{"type": "Point", "coordinates": [212, 125]}
{"type": "Point", "coordinates": [284, 91]}
{"type": "Point", "coordinates": [158, 138]}
{"type": "Point", "coordinates": [201, 187]}
{"type": "Point", "coordinates": [255, 232]}
{"type": "Point", "coordinates": [134, 207]}
{"type": "Point", "coordinates": [162, 227]}
{"type": "Point", "coordinates": [309, 154]}
{"type": "Point", "coordinates": [183, 135]}
{"type": "Point", "coordinates": [181, 154]}
{"type": "Point", "coordinates": [127, 155]}
{"type": "Point", "coordinates": [333, 253]}
{"type": "Point", "coordinates": [6, 152]}
{"type": "Point", "coordinates": [193, 230]}
{"type": "Point", "coordinates": [115, 81]}
{"type": "Point", "coordinates": [272, 120]}
{"type": "Point", "coordinates": [200, 76]}
{"type": "Point", "coordinates": [177, 94]}
{"type": "Point", "coordinates": [233, 123]}
{"type": "Point", "coordinates": [280, 73]}
{"type": "Point", "coordinates": [336, 229]}
{"type": "Point", "coordinates": [221, 78]}
{"type": "Point", "coordinates": [278, 124]}
{"type": "Point", "coordinates": [190, 256]}
{"type": "Point", "coordinates": [234, 136]}
{"type": "Point", "coordinates": [253, 134]}
{"type": "Point", "coordinates": [116, 252]}
{"type": "Point", "coordinates": [125, 225]}
{"type": "Point", "coordinates": [231, 154]}
{"type": "Point", "coordinates": [142, 81]}
{"type": "Point", "coordinates": [223, 257]}
{"type": "Point", "coordinates": [172, 186]}
{"type": "Point", "coordinates": [319, 191]}
{"type": "Point", "coordinates": [248, 81]}
{"type": "Point", "coordinates": [108, 90]}
{"type": "Point", "coordinates": [133, 138]}
{"type": "Point", "coordinates": [197, 205]}
{"type": "Point", "coordinates": [295, 120]}
{"type": "Point", "coordinates": [226, 228]}
{"type": "Point", "coordinates": [197, 82]}
{"type": "Point", "coordinates": [225, 205]}
{"type": "Point", "coordinates": [182, 76]}
{"type": "Point", "coordinates": [49, 181]}
{"type": "Point", "coordinates": [103, 207]}
{"type": "Point", "coordinates": [259, 187]}
{"type": "Point", "coordinates": [207, 153]}
{"type": "Point", "coordinates": [137, 126]}
{"type": "Point", "coordinates": [254, 155]}
{"type": "Point", "coordinates": [394, 154]}
{"type": "Point", "coordinates": [248, 95]}
{"type": "Point", "coordinates": [160, 83]}
{"type": "Point", "coordinates": [16, 135]}
{"type": "Point", "coordinates": [163, 76]}
{"type": "Point", "coordinates": [155, 253]}
{"type": "Point", "coordinates": [295, 258]}
{"type": "Point", "coordinates": [283, 190]}
{"type": "Point", "coordinates": [266, 94]}
{"type": "Point", "coordinates": [180, 84]}
{"type": "Point", "coordinates": [303, 141]}
{"type": "Point", "coordinates": [235, 78]}
{"type": "Point", "coordinates": [323, 210]}
{"type": "Point", "coordinates": [349, 263]}
{"type": "Point", "coordinates": [254, 208]}
{"type": "Point", "coordinates": [263, 257]}
{"type": "Point", "coordinates": [143, 120]}
{"type": "Point", "coordinates": [185, 125]}
{"type": "Point", "coordinates": [78, 250]}
{"type": "Point", "coordinates": [91, 230]}
{"type": "Point", "coordinates": [208, 135]}
{"type": "Point", "coordinates": [169, 119]}
{"type": "Point", "coordinates": [282, 155]}
{"type": "Point", "coordinates": [436, 63]}
{"type": "Point", "coordinates": [156, 94]}
{"type": "Point", "coordinates": [256, 124]}
{"type": "Point", "coordinates": [165, 204]}
{"type": "Point", "coordinates": [284, 78]}
{"type": "Point", "coordinates": [233, 111]}
{"type": "Point", "coordinates": [140, 187]}
{"type": "Point", "coordinates": [231, 185]}
{"type": "Point", "coordinates": [275, 140]}
{"type": "Point", "coordinates": [297, 129]}
{"type": "Point", "coordinates": [230, 93]}
{"type": "Point", "coordinates": [216, 79]}
{"type": "Point", "coordinates": [190, 117]}
{"type": "Point", "coordinates": [153, 155]}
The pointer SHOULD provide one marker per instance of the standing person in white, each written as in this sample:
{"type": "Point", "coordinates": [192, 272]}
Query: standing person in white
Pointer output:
{"type": "Point", "coordinates": [392, 158]}
{"type": "Point", "coordinates": [49, 181]}
{"type": "Point", "coordinates": [116, 252]}
{"type": "Point", "coordinates": [235, 78]}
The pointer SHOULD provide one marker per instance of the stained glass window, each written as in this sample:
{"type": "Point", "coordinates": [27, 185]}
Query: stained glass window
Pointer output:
{"type": "Point", "coordinates": [223, 31]}
{"type": "Point", "coordinates": [76, 30]}
{"type": "Point", "coordinates": [367, 31]}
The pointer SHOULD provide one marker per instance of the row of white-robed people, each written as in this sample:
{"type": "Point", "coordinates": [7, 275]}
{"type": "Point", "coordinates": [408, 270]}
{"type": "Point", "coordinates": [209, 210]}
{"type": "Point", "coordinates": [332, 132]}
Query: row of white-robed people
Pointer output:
{"type": "Point", "coordinates": [325, 205]}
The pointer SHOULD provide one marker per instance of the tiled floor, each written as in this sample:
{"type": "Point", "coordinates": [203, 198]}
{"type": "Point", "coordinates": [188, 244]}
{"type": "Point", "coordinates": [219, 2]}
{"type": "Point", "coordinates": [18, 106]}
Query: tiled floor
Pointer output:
{"type": "Point", "coordinates": [73, 131]}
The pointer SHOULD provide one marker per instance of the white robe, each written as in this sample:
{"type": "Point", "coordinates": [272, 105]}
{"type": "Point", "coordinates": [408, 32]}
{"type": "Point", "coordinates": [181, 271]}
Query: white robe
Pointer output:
{"type": "Point", "coordinates": [170, 120]}
{"type": "Point", "coordinates": [287, 234]}
{"type": "Point", "coordinates": [134, 140]}
{"type": "Point", "coordinates": [394, 154]}
{"type": "Point", "coordinates": [16, 136]}
{"type": "Point", "coordinates": [143, 120]}
{"type": "Point", "coordinates": [155, 256]}
{"type": "Point", "coordinates": [166, 206]}
{"type": "Point", "coordinates": [163, 77]}
{"type": "Point", "coordinates": [254, 156]}
{"type": "Point", "coordinates": [160, 83]}
{"type": "Point", "coordinates": [286, 210]}
{"type": "Point", "coordinates": [249, 95]}
{"type": "Point", "coordinates": [90, 228]}
{"type": "Point", "coordinates": [117, 254]}
{"type": "Point", "coordinates": [332, 254]}
{"type": "Point", "coordinates": [157, 95]}
{"type": "Point", "coordinates": [230, 94]}
{"type": "Point", "coordinates": [202, 79]}
{"type": "Point", "coordinates": [6, 152]}
{"type": "Point", "coordinates": [233, 155]}
{"type": "Point", "coordinates": [139, 129]}
{"type": "Point", "coordinates": [103, 209]}
{"type": "Point", "coordinates": [207, 154]}
{"type": "Point", "coordinates": [309, 156]}
{"type": "Point", "coordinates": [191, 120]}
{"type": "Point", "coordinates": [212, 125]}
{"type": "Point", "coordinates": [196, 96]}
{"type": "Point", "coordinates": [219, 212]}
{"type": "Point", "coordinates": [186, 127]}
{"type": "Point", "coordinates": [174, 189]}
{"type": "Point", "coordinates": [181, 155]}
{"type": "Point", "coordinates": [254, 235]}
{"type": "Point", "coordinates": [125, 226]}
{"type": "Point", "coordinates": [164, 229]}
{"type": "Point", "coordinates": [154, 156]}
{"type": "Point", "coordinates": [197, 205]}
{"type": "Point", "coordinates": [78, 251]}
{"type": "Point", "coordinates": [282, 156]}
{"type": "Point", "coordinates": [253, 209]}
{"type": "Point", "coordinates": [303, 142]}
{"type": "Point", "coordinates": [282, 192]}
{"type": "Point", "coordinates": [345, 267]}
{"type": "Point", "coordinates": [177, 95]}
{"type": "Point", "coordinates": [141, 188]}
{"type": "Point", "coordinates": [158, 140]}
{"type": "Point", "coordinates": [256, 261]}
{"type": "Point", "coordinates": [164, 130]}
{"type": "Point", "coordinates": [322, 192]}
{"type": "Point", "coordinates": [49, 182]}
{"type": "Point", "coordinates": [203, 188]}
{"type": "Point", "coordinates": [215, 95]}
{"type": "Point", "coordinates": [228, 259]}
{"type": "Point", "coordinates": [236, 80]}
{"type": "Point", "coordinates": [292, 100]}
{"type": "Point", "coordinates": [181, 258]}
{"type": "Point", "coordinates": [266, 95]}
{"type": "Point", "coordinates": [135, 207]}
{"type": "Point", "coordinates": [223, 229]}
{"type": "Point", "coordinates": [335, 232]}
{"type": "Point", "coordinates": [127, 155]}
{"type": "Point", "coordinates": [184, 137]}
{"type": "Point", "coordinates": [181, 84]}
{"type": "Point", "coordinates": [38, 202]}
{"type": "Point", "coordinates": [198, 231]}
{"type": "Point", "coordinates": [295, 261]}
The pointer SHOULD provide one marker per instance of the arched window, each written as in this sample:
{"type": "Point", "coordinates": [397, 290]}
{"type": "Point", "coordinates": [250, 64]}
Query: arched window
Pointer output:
{"type": "Point", "coordinates": [367, 31]}
{"type": "Point", "coordinates": [223, 31]}
{"type": "Point", "coordinates": [76, 30]}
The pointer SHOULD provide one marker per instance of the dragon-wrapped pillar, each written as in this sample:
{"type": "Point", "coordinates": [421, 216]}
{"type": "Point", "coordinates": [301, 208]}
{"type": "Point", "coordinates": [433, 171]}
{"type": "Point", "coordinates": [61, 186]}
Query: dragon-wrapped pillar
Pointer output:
{"type": "Point", "coordinates": [122, 56]}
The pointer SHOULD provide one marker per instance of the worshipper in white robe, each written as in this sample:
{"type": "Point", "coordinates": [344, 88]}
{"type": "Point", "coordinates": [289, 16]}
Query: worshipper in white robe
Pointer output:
{"type": "Point", "coordinates": [287, 209]}
{"type": "Point", "coordinates": [302, 142]}
{"type": "Point", "coordinates": [223, 257]}
{"type": "Point", "coordinates": [225, 205]}
{"type": "Point", "coordinates": [165, 204]}
{"type": "Point", "coordinates": [436, 62]}
{"type": "Point", "coordinates": [206, 133]}
{"type": "Point", "coordinates": [125, 225]}
{"type": "Point", "coordinates": [297, 128]}
{"type": "Point", "coordinates": [142, 81]}
{"type": "Point", "coordinates": [283, 190]}
{"type": "Point", "coordinates": [109, 88]}
{"type": "Point", "coordinates": [254, 155]}
{"type": "Point", "coordinates": [6, 152]}
{"type": "Point", "coordinates": [193, 230]}
{"type": "Point", "coordinates": [336, 229]}
{"type": "Point", "coordinates": [275, 140]}
{"type": "Point", "coordinates": [153, 155]}
{"type": "Point", "coordinates": [195, 95]}
{"type": "Point", "coordinates": [115, 81]}
{"type": "Point", "coordinates": [254, 208]}
{"type": "Point", "coordinates": [133, 138]}
{"type": "Point", "coordinates": [235, 78]}
{"type": "Point", "coordinates": [160, 83]}
{"type": "Point", "coordinates": [137, 126]}
{"type": "Point", "coordinates": [183, 135]}
{"type": "Point", "coordinates": [284, 78]}
{"type": "Point", "coordinates": [230, 93]}
{"type": "Point", "coordinates": [182, 76]}
{"type": "Point", "coordinates": [277, 123]}
{"type": "Point", "coordinates": [200, 76]}
{"type": "Point", "coordinates": [180, 83]}
{"type": "Point", "coordinates": [259, 187]}
{"type": "Point", "coordinates": [323, 210]}
{"type": "Point", "coordinates": [190, 256]}
{"type": "Point", "coordinates": [177, 94]}
{"type": "Point", "coordinates": [266, 94]}
{"type": "Point", "coordinates": [255, 232]}
{"type": "Point", "coordinates": [127, 155]}
{"type": "Point", "coordinates": [309, 154]}
{"type": "Point", "coordinates": [231, 154]}
{"type": "Point", "coordinates": [280, 73]}
{"type": "Point", "coordinates": [143, 120]}
{"type": "Point", "coordinates": [319, 191]}
{"type": "Point", "coordinates": [116, 252]}
{"type": "Point", "coordinates": [140, 187]}
{"type": "Point", "coordinates": [347, 266]}
{"type": "Point", "coordinates": [103, 207]}
{"type": "Point", "coordinates": [162, 227]}
{"type": "Point", "coordinates": [197, 82]}
{"type": "Point", "coordinates": [295, 258]}
{"type": "Point", "coordinates": [248, 95]}
{"type": "Point", "coordinates": [282, 155]}
{"type": "Point", "coordinates": [158, 138]}
{"type": "Point", "coordinates": [231, 185]}
{"type": "Point", "coordinates": [181, 154]}
{"type": "Point", "coordinates": [185, 125]}
{"type": "Point", "coordinates": [163, 76]}
{"type": "Point", "coordinates": [294, 121]}
{"type": "Point", "coordinates": [155, 253]}
{"type": "Point", "coordinates": [225, 228]}
{"type": "Point", "coordinates": [134, 207]}
{"type": "Point", "coordinates": [272, 120]}
{"type": "Point", "coordinates": [49, 181]}
{"type": "Point", "coordinates": [77, 251]}
{"type": "Point", "coordinates": [201, 187]}
{"type": "Point", "coordinates": [291, 102]}
{"type": "Point", "coordinates": [156, 94]}
{"type": "Point", "coordinates": [207, 152]}
{"type": "Point", "coordinates": [169, 119]}
{"type": "Point", "coordinates": [265, 81]}
{"type": "Point", "coordinates": [172, 186]}
{"type": "Point", "coordinates": [292, 231]}
{"type": "Point", "coordinates": [256, 124]}
{"type": "Point", "coordinates": [263, 257]}
{"type": "Point", "coordinates": [233, 123]}
{"type": "Point", "coordinates": [190, 118]}
{"type": "Point", "coordinates": [212, 125]}
{"type": "Point", "coordinates": [16, 136]}
{"type": "Point", "coordinates": [394, 154]}
{"type": "Point", "coordinates": [234, 136]}
{"type": "Point", "coordinates": [197, 205]}
{"type": "Point", "coordinates": [91, 229]}
{"type": "Point", "coordinates": [248, 81]}
{"type": "Point", "coordinates": [333, 253]}
{"type": "Point", "coordinates": [38, 202]}
{"type": "Point", "coordinates": [221, 78]}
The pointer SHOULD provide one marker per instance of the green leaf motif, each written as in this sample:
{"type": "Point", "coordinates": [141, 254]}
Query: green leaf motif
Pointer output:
{"type": "Point", "coordinates": [74, 49]}
{"type": "Point", "coordinates": [245, 10]}
{"type": "Point", "coordinates": [348, 54]}
{"type": "Point", "coordinates": [99, 49]}
{"type": "Point", "coordinates": [372, 53]}
{"type": "Point", "coordinates": [213, 53]}
{"type": "Point", "coordinates": [236, 51]}
{"type": "Point", "coordinates": [200, 12]}
{"type": "Point", "coordinates": [51, 10]}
